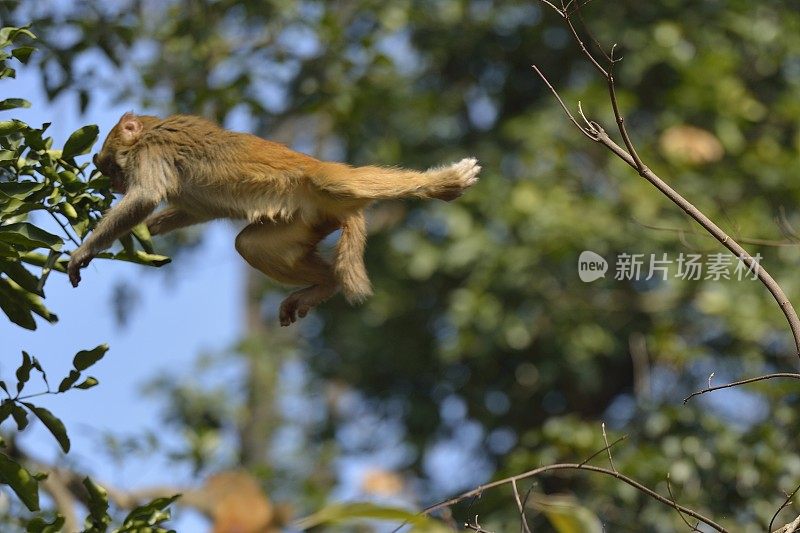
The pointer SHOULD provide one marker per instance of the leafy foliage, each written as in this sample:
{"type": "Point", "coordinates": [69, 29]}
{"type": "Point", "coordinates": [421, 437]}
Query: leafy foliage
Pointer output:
{"type": "Point", "coordinates": [146, 517]}
{"type": "Point", "coordinates": [37, 179]}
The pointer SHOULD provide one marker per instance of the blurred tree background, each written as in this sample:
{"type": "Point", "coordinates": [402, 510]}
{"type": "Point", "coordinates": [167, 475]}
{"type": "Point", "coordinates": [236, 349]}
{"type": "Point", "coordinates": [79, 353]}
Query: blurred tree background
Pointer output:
{"type": "Point", "coordinates": [482, 353]}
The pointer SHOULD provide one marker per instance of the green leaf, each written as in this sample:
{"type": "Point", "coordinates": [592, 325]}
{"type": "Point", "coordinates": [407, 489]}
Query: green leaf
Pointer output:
{"type": "Point", "coordinates": [52, 423]}
{"type": "Point", "coordinates": [68, 210]}
{"type": "Point", "coordinates": [41, 260]}
{"type": "Point", "coordinates": [143, 236]}
{"type": "Point", "coordinates": [86, 358]}
{"type": "Point", "coordinates": [88, 383]}
{"type": "Point", "coordinates": [13, 103]}
{"type": "Point", "coordinates": [7, 127]}
{"type": "Point", "coordinates": [21, 190]}
{"type": "Point", "coordinates": [39, 525]}
{"type": "Point", "coordinates": [9, 33]}
{"type": "Point", "coordinates": [13, 303]}
{"type": "Point", "coordinates": [566, 515]}
{"type": "Point", "coordinates": [5, 409]}
{"type": "Point", "coordinates": [143, 258]}
{"type": "Point", "coordinates": [144, 512]}
{"type": "Point", "coordinates": [37, 306]}
{"type": "Point", "coordinates": [19, 304]}
{"type": "Point", "coordinates": [352, 512]}
{"type": "Point", "coordinates": [49, 263]}
{"type": "Point", "coordinates": [69, 381]}
{"type": "Point", "coordinates": [30, 236]}
{"type": "Point", "coordinates": [35, 140]}
{"type": "Point", "coordinates": [98, 506]}
{"type": "Point", "coordinates": [80, 142]}
{"type": "Point", "coordinates": [23, 53]}
{"type": "Point", "coordinates": [20, 416]}
{"type": "Point", "coordinates": [24, 371]}
{"type": "Point", "coordinates": [21, 482]}
{"type": "Point", "coordinates": [21, 276]}
{"type": "Point", "coordinates": [35, 363]}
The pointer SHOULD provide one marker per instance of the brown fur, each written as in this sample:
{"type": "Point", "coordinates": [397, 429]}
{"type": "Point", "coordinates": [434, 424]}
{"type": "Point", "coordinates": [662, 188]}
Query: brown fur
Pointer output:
{"type": "Point", "coordinates": [290, 200]}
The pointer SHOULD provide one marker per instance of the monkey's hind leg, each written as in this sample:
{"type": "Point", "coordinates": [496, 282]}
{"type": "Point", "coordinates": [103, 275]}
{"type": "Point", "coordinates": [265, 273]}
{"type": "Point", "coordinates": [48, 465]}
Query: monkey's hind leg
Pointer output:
{"type": "Point", "coordinates": [286, 252]}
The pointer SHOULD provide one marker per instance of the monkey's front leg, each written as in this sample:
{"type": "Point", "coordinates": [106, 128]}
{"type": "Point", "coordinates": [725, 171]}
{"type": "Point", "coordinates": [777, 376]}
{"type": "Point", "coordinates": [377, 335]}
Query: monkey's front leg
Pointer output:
{"type": "Point", "coordinates": [131, 210]}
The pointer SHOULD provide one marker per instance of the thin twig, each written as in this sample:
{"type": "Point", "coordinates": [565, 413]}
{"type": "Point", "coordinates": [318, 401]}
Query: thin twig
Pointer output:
{"type": "Point", "coordinates": [782, 507]}
{"type": "Point", "coordinates": [475, 526]}
{"type": "Point", "coordinates": [63, 227]}
{"type": "Point", "coordinates": [608, 448]}
{"type": "Point", "coordinates": [608, 74]}
{"type": "Point", "coordinates": [789, 375]}
{"type": "Point", "coordinates": [555, 8]}
{"type": "Point", "coordinates": [791, 527]}
{"type": "Point", "coordinates": [746, 240]}
{"type": "Point", "coordinates": [586, 131]}
{"type": "Point", "coordinates": [522, 518]}
{"type": "Point", "coordinates": [577, 466]}
{"type": "Point", "coordinates": [672, 496]}
{"type": "Point", "coordinates": [630, 157]}
{"type": "Point", "coordinates": [786, 227]}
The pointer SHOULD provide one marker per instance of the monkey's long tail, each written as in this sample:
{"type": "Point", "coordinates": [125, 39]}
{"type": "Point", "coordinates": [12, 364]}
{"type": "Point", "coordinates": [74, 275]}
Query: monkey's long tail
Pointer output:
{"type": "Point", "coordinates": [349, 260]}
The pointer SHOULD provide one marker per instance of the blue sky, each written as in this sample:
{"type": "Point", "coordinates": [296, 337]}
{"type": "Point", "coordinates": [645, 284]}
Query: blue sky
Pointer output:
{"type": "Point", "coordinates": [196, 309]}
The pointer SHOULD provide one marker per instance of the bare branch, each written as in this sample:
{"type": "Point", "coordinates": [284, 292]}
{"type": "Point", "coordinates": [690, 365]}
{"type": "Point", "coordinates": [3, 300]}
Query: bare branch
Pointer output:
{"type": "Point", "coordinates": [672, 497]}
{"type": "Point", "coordinates": [746, 240]}
{"type": "Point", "coordinates": [578, 466]}
{"type": "Point", "coordinates": [601, 450]}
{"type": "Point", "coordinates": [791, 527]}
{"type": "Point", "coordinates": [782, 507]}
{"type": "Point", "coordinates": [608, 448]}
{"type": "Point", "coordinates": [475, 526]}
{"type": "Point", "coordinates": [586, 131]}
{"type": "Point", "coordinates": [598, 134]}
{"type": "Point", "coordinates": [521, 508]}
{"type": "Point", "coordinates": [789, 375]}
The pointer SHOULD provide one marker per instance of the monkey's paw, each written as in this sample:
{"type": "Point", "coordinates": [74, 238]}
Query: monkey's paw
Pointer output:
{"type": "Point", "coordinates": [80, 259]}
{"type": "Point", "coordinates": [450, 182]}
{"type": "Point", "coordinates": [299, 303]}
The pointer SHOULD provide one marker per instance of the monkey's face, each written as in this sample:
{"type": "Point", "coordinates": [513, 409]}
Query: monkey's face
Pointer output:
{"type": "Point", "coordinates": [106, 162]}
{"type": "Point", "coordinates": [108, 166]}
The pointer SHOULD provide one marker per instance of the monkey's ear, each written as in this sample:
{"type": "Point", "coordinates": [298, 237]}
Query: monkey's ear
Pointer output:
{"type": "Point", "coordinates": [130, 128]}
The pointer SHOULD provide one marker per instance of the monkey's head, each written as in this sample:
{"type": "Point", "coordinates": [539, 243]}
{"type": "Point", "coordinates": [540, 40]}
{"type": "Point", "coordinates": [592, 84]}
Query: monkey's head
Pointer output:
{"type": "Point", "coordinates": [111, 158]}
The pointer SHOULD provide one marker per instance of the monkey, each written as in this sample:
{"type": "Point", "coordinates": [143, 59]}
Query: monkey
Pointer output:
{"type": "Point", "coordinates": [290, 201]}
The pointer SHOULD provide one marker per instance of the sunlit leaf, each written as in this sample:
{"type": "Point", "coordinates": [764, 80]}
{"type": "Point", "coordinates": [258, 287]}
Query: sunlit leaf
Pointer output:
{"type": "Point", "coordinates": [13, 103]}
{"type": "Point", "coordinates": [86, 358]}
{"type": "Point", "coordinates": [21, 482]}
{"type": "Point", "coordinates": [80, 142]}
{"type": "Point", "coordinates": [98, 505]}
{"type": "Point", "coordinates": [354, 512]}
{"type": "Point", "coordinates": [87, 383]}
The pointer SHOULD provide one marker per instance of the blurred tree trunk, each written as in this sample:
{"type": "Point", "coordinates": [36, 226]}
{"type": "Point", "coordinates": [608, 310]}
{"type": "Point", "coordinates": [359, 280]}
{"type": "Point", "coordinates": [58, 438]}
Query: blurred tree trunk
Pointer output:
{"type": "Point", "coordinates": [259, 415]}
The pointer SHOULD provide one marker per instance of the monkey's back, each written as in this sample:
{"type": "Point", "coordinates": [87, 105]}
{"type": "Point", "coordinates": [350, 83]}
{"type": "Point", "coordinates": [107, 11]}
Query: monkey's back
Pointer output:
{"type": "Point", "coordinates": [230, 174]}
